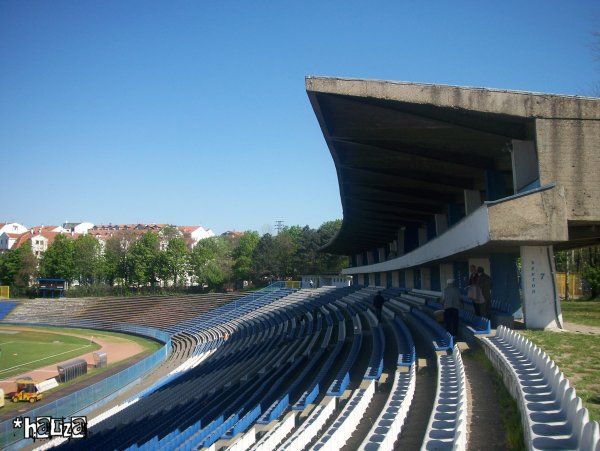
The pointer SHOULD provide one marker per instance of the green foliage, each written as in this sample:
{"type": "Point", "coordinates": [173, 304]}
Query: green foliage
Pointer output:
{"type": "Point", "coordinates": [142, 260]}
{"type": "Point", "coordinates": [58, 261]}
{"type": "Point", "coordinates": [211, 262]}
{"type": "Point", "coordinates": [592, 275]}
{"type": "Point", "coordinates": [131, 262]}
{"type": "Point", "coordinates": [175, 260]}
{"type": "Point", "coordinates": [18, 267]}
{"type": "Point", "coordinates": [87, 259]}
{"type": "Point", "coordinates": [242, 255]}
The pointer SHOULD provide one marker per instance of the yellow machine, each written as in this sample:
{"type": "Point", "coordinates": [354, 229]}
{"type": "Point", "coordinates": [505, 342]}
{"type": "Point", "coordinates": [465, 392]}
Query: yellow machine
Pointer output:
{"type": "Point", "coordinates": [26, 391]}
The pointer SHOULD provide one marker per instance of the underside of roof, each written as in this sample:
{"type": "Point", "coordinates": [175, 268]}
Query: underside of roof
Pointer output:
{"type": "Point", "coordinates": [404, 151]}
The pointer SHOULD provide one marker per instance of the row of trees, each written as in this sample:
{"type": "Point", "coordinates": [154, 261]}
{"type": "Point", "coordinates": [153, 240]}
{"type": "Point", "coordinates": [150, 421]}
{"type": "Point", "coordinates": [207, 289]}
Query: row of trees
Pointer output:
{"type": "Point", "coordinates": [131, 260]}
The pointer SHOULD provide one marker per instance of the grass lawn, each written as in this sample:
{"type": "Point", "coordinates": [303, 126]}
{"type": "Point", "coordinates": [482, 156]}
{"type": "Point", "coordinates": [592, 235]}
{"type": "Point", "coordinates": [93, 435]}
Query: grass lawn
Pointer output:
{"type": "Point", "coordinates": [578, 357]}
{"type": "Point", "coordinates": [581, 312]}
{"type": "Point", "coordinates": [27, 350]}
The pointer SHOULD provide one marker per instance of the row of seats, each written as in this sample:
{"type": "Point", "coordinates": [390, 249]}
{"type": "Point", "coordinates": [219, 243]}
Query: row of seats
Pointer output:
{"type": "Point", "coordinates": [153, 311]}
{"type": "Point", "coordinates": [246, 370]}
{"type": "Point", "coordinates": [447, 424]}
{"type": "Point", "coordinates": [553, 416]}
{"type": "Point", "coordinates": [257, 364]}
{"type": "Point", "coordinates": [429, 301]}
{"type": "Point", "coordinates": [5, 308]}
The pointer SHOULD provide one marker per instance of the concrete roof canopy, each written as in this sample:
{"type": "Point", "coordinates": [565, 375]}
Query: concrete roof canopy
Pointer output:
{"type": "Point", "coordinates": [404, 151]}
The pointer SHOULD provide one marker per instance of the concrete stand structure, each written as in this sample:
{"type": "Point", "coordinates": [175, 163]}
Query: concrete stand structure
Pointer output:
{"type": "Point", "coordinates": [434, 178]}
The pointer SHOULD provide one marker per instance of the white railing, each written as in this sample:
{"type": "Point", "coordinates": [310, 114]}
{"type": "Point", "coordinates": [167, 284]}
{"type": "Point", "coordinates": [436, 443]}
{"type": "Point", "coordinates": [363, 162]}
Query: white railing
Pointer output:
{"type": "Point", "coordinates": [276, 435]}
{"type": "Point", "coordinates": [450, 404]}
{"type": "Point", "coordinates": [553, 416]}
{"type": "Point", "coordinates": [311, 426]}
{"type": "Point", "coordinates": [345, 424]}
{"type": "Point", "coordinates": [389, 423]}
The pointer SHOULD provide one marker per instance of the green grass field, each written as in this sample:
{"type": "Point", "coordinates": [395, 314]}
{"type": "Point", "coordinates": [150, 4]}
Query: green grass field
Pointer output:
{"type": "Point", "coordinates": [578, 356]}
{"type": "Point", "coordinates": [581, 312]}
{"type": "Point", "coordinates": [23, 351]}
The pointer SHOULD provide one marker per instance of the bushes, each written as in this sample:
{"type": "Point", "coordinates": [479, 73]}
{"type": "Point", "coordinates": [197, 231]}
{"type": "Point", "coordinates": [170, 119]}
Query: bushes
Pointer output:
{"type": "Point", "coordinates": [592, 275]}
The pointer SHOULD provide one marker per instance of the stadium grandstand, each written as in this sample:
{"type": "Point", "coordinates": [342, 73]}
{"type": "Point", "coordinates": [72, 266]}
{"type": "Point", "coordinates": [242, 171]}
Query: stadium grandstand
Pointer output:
{"type": "Point", "coordinates": [432, 179]}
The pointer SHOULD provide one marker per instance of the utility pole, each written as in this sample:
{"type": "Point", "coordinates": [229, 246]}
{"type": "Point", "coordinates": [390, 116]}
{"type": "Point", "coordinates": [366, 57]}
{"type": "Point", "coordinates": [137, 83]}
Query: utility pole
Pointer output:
{"type": "Point", "coordinates": [278, 226]}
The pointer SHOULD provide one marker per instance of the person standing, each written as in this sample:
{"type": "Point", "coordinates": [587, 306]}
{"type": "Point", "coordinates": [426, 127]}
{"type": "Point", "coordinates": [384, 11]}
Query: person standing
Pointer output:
{"type": "Point", "coordinates": [451, 301]}
{"type": "Point", "coordinates": [484, 283]}
{"type": "Point", "coordinates": [472, 275]}
{"type": "Point", "coordinates": [378, 302]}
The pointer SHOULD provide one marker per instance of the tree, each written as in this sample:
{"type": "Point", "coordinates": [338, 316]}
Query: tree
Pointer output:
{"type": "Point", "coordinates": [263, 258]}
{"type": "Point", "coordinates": [592, 275]}
{"type": "Point", "coordinates": [211, 262]}
{"type": "Point", "coordinates": [242, 255]}
{"type": "Point", "coordinates": [115, 261]}
{"type": "Point", "coordinates": [143, 259]}
{"type": "Point", "coordinates": [174, 260]}
{"type": "Point", "coordinates": [87, 260]}
{"type": "Point", "coordinates": [58, 260]}
{"type": "Point", "coordinates": [330, 263]}
{"type": "Point", "coordinates": [18, 267]}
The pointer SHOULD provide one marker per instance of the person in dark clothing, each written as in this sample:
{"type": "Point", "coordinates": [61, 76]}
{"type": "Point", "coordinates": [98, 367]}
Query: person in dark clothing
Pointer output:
{"type": "Point", "coordinates": [484, 283]}
{"type": "Point", "coordinates": [378, 302]}
{"type": "Point", "coordinates": [452, 301]}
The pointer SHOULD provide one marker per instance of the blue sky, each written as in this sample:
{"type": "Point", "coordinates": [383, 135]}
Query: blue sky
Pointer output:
{"type": "Point", "coordinates": [195, 112]}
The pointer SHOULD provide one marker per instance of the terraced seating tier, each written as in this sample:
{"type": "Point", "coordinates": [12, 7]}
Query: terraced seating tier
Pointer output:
{"type": "Point", "coordinates": [553, 416]}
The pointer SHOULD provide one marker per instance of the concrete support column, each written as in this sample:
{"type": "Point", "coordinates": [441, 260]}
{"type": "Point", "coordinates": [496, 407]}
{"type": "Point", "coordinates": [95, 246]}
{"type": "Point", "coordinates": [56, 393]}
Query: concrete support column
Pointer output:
{"type": "Point", "coordinates": [395, 279]}
{"type": "Point", "coordinates": [370, 259]}
{"type": "Point", "coordinates": [472, 200]}
{"type": "Point", "coordinates": [359, 260]}
{"type": "Point", "coordinates": [400, 243]}
{"type": "Point", "coordinates": [381, 251]}
{"type": "Point", "coordinates": [371, 279]}
{"type": "Point", "coordinates": [425, 279]}
{"type": "Point", "coordinates": [505, 280]}
{"type": "Point", "coordinates": [383, 279]}
{"type": "Point", "coordinates": [361, 279]}
{"type": "Point", "coordinates": [524, 165]}
{"type": "Point", "coordinates": [441, 224]}
{"type": "Point", "coordinates": [541, 306]}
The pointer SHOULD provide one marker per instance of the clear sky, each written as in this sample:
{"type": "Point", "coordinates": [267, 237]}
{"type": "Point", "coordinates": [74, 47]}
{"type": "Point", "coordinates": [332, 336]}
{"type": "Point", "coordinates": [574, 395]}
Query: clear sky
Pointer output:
{"type": "Point", "coordinates": [195, 112]}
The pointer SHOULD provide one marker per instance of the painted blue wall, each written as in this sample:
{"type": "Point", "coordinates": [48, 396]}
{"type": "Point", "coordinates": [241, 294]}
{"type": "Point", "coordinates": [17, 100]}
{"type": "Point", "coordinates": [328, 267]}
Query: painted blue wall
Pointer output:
{"type": "Point", "coordinates": [505, 280]}
{"type": "Point", "coordinates": [461, 275]}
{"type": "Point", "coordinates": [402, 278]}
{"type": "Point", "coordinates": [495, 185]}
